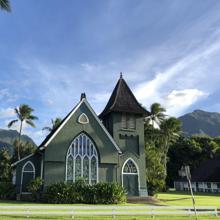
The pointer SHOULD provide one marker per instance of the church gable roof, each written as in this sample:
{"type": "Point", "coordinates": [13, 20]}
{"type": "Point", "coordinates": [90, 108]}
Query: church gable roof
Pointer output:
{"type": "Point", "coordinates": [123, 100]}
{"type": "Point", "coordinates": [54, 132]}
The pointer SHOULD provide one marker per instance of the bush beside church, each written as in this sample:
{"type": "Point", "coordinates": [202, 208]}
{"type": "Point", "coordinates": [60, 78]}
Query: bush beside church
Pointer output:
{"type": "Point", "coordinates": [81, 192]}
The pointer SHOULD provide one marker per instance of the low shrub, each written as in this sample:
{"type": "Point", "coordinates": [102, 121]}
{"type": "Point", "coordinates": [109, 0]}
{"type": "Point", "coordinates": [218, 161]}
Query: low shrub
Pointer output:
{"type": "Point", "coordinates": [34, 187]}
{"type": "Point", "coordinates": [109, 193]}
{"type": "Point", "coordinates": [7, 190]}
{"type": "Point", "coordinates": [81, 192]}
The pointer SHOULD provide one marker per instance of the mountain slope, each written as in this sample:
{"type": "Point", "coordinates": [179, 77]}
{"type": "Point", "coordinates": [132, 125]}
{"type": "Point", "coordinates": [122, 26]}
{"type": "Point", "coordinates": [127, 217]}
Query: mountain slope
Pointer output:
{"type": "Point", "coordinates": [7, 138]}
{"type": "Point", "coordinates": [201, 122]}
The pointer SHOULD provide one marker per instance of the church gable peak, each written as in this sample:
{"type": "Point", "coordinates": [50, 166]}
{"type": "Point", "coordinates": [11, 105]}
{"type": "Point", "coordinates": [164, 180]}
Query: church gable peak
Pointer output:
{"type": "Point", "coordinates": [82, 119]}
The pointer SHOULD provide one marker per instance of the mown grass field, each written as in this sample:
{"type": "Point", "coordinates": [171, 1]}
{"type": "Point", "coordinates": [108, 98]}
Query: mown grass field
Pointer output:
{"type": "Point", "coordinates": [167, 199]}
{"type": "Point", "coordinates": [184, 199]}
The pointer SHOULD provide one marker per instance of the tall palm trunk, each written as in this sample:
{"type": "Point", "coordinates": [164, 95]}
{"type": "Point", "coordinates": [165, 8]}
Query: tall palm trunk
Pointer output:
{"type": "Point", "coordinates": [19, 140]}
{"type": "Point", "coordinates": [165, 152]}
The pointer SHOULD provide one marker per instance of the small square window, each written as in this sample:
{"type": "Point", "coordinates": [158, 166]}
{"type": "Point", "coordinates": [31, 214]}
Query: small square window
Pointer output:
{"type": "Point", "coordinates": [128, 121]}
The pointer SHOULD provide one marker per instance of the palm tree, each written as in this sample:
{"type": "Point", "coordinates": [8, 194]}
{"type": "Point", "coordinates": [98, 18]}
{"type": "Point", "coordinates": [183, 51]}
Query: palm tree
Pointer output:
{"type": "Point", "coordinates": [24, 115]}
{"type": "Point", "coordinates": [55, 123]}
{"type": "Point", "coordinates": [156, 115]}
{"type": "Point", "coordinates": [5, 5]}
{"type": "Point", "coordinates": [170, 130]}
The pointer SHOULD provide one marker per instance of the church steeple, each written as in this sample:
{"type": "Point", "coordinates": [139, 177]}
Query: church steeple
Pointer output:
{"type": "Point", "coordinates": [123, 100]}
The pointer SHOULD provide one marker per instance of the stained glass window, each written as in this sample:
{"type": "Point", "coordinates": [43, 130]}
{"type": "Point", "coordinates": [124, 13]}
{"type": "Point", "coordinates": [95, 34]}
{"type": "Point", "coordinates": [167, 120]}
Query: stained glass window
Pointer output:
{"type": "Point", "coordinates": [69, 168]}
{"type": "Point", "coordinates": [78, 170]}
{"type": "Point", "coordinates": [93, 170]}
{"type": "Point", "coordinates": [130, 167]}
{"type": "Point", "coordinates": [82, 160]}
{"type": "Point", "coordinates": [86, 169]}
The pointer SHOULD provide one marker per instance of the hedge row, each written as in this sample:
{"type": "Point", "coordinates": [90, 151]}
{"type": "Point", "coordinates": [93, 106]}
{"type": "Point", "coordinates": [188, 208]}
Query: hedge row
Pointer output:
{"type": "Point", "coordinates": [80, 192]}
{"type": "Point", "coordinates": [7, 190]}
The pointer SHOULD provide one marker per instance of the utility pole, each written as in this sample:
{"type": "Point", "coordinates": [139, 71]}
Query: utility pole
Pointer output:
{"type": "Point", "coordinates": [185, 172]}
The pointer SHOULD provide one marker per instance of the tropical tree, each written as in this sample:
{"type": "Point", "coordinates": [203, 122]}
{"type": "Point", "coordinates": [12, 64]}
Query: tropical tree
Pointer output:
{"type": "Point", "coordinates": [170, 130]}
{"type": "Point", "coordinates": [5, 165]}
{"type": "Point", "coordinates": [5, 5]}
{"type": "Point", "coordinates": [24, 115]}
{"type": "Point", "coordinates": [156, 115]}
{"type": "Point", "coordinates": [54, 124]}
{"type": "Point", "coordinates": [25, 149]}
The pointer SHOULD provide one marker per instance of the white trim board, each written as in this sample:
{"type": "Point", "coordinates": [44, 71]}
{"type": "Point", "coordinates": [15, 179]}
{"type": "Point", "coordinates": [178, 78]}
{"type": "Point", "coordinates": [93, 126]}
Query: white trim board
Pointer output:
{"type": "Point", "coordinates": [61, 126]}
{"type": "Point", "coordinates": [15, 163]}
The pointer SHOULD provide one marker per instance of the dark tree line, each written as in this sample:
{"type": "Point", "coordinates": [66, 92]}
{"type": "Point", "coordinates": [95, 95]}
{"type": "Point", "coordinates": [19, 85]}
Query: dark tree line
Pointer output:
{"type": "Point", "coordinates": [191, 151]}
{"type": "Point", "coordinates": [167, 149]}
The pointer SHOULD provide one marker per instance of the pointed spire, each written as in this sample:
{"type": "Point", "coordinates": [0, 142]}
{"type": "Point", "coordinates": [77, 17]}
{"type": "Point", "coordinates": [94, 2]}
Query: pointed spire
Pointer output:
{"type": "Point", "coordinates": [123, 100]}
{"type": "Point", "coordinates": [121, 75]}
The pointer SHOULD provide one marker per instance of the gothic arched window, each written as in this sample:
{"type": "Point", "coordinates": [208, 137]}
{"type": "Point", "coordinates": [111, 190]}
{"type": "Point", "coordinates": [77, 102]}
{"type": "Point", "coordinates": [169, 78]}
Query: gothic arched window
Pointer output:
{"type": "Point", "coordinates": [130, 168]}
{"type": "Point", "coordinates": [82, 160]}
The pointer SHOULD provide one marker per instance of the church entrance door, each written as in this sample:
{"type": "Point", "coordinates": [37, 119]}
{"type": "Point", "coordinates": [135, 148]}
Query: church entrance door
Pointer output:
{"type": "Point", "coordinates": [130, 177]}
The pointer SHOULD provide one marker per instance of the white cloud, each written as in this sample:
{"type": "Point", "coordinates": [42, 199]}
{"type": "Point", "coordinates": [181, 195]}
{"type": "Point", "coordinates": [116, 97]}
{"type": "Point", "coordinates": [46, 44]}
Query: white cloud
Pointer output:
{"type": "Point", "coordinates": [191, 71]}
{"type": "Point", "coordinates": [89, 67]}
{"type": "Point", "coordinates": [101, 98]}
{"type": "Point", "coordinates": [7, 96]}
{"type": "Point", "coordinates": [7, 113]}
{"type": "Point", "coordinates": [179, 100]}
{"type": "Point", "coordinates": [37, 135]}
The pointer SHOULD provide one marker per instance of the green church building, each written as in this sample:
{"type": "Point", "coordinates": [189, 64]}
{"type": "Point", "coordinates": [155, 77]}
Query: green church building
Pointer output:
{"type": "Point", "coordinates": [104, 148]}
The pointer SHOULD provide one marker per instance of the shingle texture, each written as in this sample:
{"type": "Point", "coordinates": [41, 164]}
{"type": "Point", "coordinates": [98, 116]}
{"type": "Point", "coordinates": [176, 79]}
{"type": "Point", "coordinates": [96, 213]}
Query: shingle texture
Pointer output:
{"type": "Point", "coordinates": [123, 100]}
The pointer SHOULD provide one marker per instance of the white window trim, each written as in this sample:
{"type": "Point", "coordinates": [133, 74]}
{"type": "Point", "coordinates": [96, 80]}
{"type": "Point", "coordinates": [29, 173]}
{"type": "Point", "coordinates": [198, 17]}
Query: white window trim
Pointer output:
{"type": "Point", "coordinates": [24, 158]}
{"type": "Point", "coordinates": [138, 173]}
{"type": "Point", "coordinates": [14, 177]}
{"type": "Point", "coordinates": [22, 173]}
{"type": "Point", "coordinates": [83, 115]}
{"type": "Point", "coordinates": [74, 156]}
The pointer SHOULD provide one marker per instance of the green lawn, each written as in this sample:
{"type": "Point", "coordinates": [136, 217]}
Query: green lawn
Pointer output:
{"type": "Point", "coordinates": [171, 198]}
{"type": "Point", "coordinates": [184, 199]}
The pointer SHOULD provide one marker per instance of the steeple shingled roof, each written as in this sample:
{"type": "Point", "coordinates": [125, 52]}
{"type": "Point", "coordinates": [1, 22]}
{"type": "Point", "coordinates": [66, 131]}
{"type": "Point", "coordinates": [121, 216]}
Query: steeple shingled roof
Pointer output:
{"type": "Point", "coordinates": [123, 100]}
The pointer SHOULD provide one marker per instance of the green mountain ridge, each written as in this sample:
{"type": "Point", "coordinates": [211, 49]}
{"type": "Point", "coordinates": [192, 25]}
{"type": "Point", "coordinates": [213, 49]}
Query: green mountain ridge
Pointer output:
{"type": "Point", "coordinates": [7, 138]}
{"type": "Point", "coordinates": [201, 122]}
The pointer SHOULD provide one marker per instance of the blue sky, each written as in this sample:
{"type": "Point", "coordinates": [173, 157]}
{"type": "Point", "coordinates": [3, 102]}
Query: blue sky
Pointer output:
{"type": "Point", "coordinates": [52, 50]}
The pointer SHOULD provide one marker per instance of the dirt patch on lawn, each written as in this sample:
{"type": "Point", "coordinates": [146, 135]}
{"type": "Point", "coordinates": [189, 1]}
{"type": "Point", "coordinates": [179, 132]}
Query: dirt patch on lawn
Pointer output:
{"type": "Point", "coordinates": [143, 200]}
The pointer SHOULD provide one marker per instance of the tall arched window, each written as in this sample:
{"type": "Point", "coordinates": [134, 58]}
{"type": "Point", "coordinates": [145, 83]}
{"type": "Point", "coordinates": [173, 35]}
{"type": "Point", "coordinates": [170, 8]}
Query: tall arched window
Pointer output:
{"type": "Point", "coordinates": [82, 160]}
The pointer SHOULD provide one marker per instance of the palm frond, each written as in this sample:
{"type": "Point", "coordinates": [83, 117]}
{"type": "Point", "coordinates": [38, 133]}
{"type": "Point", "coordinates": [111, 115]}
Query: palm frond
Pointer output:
{"type": "Point", "coordinates": [29, 122]}
{"type": "Point", "coordinates": [5, 5]}
{"type": "Point", "coordinates": [32, 117]}
{"type": "Point", "coordinates": [12, 122]}
{"type": "Point", "coordinates": [47, 128]}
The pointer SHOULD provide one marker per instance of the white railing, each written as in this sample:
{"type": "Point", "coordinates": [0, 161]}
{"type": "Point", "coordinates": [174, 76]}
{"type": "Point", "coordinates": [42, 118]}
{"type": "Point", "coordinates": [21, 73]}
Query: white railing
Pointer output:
{"type": "Point", "coordinates": [107, 210]}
